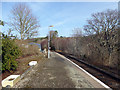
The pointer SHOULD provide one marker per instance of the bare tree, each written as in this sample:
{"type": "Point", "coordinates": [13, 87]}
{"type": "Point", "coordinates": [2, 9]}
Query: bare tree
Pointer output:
{"type": "Point", "coordinates": [23, 21]}
{"type": "Point", "coordinates": [103, 25]}
{"type": "Point", "coordinates": [77, 34]}
{"type": "Point", "coordinates": [102, 22]}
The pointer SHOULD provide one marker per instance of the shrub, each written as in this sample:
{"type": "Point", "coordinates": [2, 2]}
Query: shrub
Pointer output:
{"type": "Point", "coordinates": [10, 52]}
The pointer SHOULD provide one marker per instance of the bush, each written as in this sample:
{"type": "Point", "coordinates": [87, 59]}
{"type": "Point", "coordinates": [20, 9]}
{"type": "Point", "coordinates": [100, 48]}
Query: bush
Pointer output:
{"type": "Point", "coordinates": [10, 52]}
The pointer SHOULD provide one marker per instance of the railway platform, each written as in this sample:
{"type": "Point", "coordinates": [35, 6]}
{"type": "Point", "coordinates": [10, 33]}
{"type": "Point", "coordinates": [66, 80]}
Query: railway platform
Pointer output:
{"type": "Point", "coordinates": [58, 72]}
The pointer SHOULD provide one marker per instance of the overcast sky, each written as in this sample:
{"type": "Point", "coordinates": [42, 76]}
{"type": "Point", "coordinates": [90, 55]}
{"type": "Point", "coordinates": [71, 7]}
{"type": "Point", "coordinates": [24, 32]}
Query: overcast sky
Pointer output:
{"type": "Point", "coordinates": [65, 16]}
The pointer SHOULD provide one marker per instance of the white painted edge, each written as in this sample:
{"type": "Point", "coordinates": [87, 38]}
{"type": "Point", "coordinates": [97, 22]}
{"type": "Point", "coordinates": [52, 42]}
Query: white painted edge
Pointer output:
{"type": "Point", "coordinates": [106, 86]}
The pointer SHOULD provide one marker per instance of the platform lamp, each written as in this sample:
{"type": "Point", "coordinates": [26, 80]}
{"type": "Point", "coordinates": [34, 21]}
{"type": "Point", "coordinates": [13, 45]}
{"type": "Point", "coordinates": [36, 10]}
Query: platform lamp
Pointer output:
{"type": "Point", "coordinates": [49, 41]}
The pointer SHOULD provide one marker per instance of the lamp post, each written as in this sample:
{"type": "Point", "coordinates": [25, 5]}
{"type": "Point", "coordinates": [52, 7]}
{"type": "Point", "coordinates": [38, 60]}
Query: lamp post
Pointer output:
{"type": "Point", "coordinates": [49, 42]}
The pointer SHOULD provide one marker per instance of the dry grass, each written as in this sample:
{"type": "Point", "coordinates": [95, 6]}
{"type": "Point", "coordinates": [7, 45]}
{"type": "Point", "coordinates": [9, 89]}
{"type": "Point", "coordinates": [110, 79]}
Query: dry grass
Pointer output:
{"type": "Point", "coordinates": [39, 41]}
{"type": "Point", "coordinates": [23, 62]}
{"type": "Point", "coordinates": [27, 49]}
{"type": "Point", "coordinates": [29, 53]}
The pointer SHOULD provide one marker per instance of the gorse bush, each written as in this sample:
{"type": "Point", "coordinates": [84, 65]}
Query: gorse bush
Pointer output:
{"type": "Point", "coordinates": [10, 52]}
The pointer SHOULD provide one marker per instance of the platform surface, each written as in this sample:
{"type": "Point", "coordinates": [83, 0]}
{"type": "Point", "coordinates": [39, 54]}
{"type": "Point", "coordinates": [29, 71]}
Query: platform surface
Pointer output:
{"type": "Point", "coordinates": [57, 72]}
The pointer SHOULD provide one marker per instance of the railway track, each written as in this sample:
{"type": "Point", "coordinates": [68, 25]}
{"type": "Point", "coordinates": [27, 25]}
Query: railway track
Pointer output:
{"type": "Point", "coordinates": [109, 79]}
